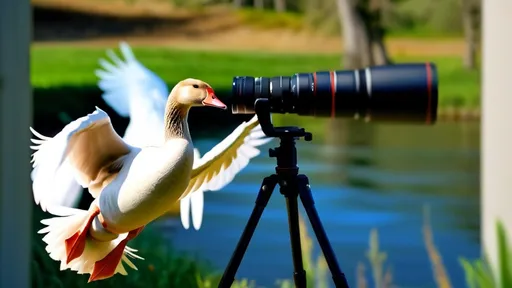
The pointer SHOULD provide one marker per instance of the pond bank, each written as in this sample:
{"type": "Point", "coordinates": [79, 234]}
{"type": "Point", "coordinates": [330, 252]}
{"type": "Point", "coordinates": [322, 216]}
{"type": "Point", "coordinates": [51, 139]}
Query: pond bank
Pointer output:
{"type": "Point", "coordinates": [458, 114]}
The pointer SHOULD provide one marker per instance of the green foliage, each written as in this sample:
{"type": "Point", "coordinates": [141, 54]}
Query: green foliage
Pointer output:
{"type": "Point", "coordinates": [322, 15]}
{"type": "Point", "coordinates": [400, 17]}
{"type": "Point", "coordinates": [419, 17]}
{"type": "Point", "coordinates": [268, 19]}
{"type": "Point", "coordinates": [74, 67]}
{"type": "Point", "coordinates": [480, 274]}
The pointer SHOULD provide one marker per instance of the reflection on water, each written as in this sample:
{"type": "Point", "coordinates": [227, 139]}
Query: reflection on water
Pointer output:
{"type": "Point", "coordinates": [363, 176]}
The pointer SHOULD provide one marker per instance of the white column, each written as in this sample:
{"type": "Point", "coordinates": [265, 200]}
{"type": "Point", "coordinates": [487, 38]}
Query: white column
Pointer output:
{"type": "Point", "coordinates": [496, 158]}
{"type": "Point", "coordinates": [15, 118]}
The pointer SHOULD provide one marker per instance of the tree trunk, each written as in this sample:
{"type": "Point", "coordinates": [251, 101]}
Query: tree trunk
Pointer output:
{"type": "Point", "coordinates": [363, 37]}
{"type": "Point", "coordinates": [280, 5]}
{"type": "Point", "coordinates": [353, 34]}
{"type": "Point", "coordinates": [377, 10]}
{"type": "Point", "coordinates": [469, 23]}
{"type": "Point", "coordinates": [238, 3]}
{"type": "Point", "coordinates": [259, 4]}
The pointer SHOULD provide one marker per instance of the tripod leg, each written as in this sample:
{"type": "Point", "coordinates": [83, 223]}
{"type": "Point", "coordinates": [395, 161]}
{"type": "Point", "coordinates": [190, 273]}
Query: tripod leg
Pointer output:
{"type": "Point", "coordinates": [291, 194]}
{"type": "Point", "coordinates": [309, 205]}
{"type": "Point", "coordinates": [267, 187]}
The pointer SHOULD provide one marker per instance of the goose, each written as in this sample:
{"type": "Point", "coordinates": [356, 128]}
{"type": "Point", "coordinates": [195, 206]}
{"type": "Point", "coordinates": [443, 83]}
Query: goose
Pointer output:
{"type": "Point", "coordinates": [131, 186]}
{"type": "Point", "coordinates": [133, 91]}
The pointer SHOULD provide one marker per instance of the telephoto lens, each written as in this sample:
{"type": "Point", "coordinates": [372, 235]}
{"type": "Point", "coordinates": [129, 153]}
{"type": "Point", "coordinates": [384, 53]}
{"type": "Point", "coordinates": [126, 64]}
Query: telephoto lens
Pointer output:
{"type": "Point", "coordinates": [400, 92]}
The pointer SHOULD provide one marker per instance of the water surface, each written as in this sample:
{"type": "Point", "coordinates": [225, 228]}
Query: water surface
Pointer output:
{"type": "Point", "coordinates": [363, 176]}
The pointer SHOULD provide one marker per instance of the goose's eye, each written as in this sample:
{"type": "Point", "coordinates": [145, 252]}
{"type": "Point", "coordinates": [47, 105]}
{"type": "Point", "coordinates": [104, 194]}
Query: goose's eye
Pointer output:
{"type": "Point", "coordinates": [195, 86]}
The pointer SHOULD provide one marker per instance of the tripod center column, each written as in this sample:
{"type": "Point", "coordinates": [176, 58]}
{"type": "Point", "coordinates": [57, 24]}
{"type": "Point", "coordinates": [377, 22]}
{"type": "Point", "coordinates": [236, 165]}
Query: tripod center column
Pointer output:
{"type": "Point", "coordinates": [286, 155]}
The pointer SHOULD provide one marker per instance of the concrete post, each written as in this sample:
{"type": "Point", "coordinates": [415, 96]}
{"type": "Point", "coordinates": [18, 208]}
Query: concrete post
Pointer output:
{"type": "Point", "coordinates": [15, 118]}
{"type": "Point", "coordinates": [496, 157]}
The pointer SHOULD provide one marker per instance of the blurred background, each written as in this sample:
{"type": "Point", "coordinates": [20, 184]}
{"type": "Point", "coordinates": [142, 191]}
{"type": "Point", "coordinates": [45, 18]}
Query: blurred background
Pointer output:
{"type": "Point", "coordinates": [400, 202]}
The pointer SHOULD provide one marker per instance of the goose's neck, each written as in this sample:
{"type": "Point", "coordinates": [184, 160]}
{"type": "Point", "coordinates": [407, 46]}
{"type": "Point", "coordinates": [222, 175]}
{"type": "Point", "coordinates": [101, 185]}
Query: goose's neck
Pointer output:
{"type": "Point", "coordinates": [176, 125]}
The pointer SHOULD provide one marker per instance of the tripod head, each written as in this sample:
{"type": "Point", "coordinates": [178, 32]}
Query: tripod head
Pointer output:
{"type": "Point", "coordinates": [262, 108]}
{"type": "Point", "coordinates": [286, 153]}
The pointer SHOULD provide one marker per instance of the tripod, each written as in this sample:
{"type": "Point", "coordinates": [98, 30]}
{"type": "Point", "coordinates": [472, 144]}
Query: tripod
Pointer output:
{"type": "Point", "coordinates": [292, 185]}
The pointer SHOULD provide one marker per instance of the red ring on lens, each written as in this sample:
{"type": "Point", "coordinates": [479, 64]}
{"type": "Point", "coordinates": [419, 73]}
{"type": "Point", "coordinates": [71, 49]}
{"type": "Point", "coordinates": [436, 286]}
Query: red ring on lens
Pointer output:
{"type": "Point", "coordinates": [429, 92]}
{"type": "Point", "coordinates": [333, 95]}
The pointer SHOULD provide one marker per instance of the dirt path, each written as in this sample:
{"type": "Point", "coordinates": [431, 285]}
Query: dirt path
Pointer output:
{"type": "Point", "coordinates": [271, 41]}
{"type": "Point", "coordinates": [104, 23]}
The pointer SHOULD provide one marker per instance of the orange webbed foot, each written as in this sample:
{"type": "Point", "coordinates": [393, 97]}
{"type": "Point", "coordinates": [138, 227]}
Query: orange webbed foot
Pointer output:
{"type": "Point", "coordinates": [106, 267]}
{"type": "Point", "coordinates": [75, 244]}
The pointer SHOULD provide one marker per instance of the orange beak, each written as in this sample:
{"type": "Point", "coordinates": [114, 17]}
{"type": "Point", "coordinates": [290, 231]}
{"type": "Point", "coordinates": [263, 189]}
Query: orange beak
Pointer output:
{"type": "Point", "coordinates": [212, 100]}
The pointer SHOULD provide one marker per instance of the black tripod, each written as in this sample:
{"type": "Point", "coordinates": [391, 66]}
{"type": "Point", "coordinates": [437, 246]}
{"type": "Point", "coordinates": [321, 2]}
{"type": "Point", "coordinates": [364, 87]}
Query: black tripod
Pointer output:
{"type": "Point", "coordinates": [292, 185]}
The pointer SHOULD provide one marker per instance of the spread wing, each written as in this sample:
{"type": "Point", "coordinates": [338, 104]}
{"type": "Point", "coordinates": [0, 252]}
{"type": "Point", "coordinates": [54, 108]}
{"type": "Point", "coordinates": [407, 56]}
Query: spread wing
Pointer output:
{"type": "Point", "coordinates": [219, 166]}
{"type": "Point", "coordinates": [134, 91]}
{"type": "Point", "coordinates": [84, 148]}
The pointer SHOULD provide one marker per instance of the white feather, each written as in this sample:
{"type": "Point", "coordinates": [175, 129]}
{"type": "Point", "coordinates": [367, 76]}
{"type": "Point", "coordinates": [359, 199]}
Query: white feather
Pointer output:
{"type": "Point", "coordinates": [134, 91]}
{"type": "Point", "coordinates": [53, 170]}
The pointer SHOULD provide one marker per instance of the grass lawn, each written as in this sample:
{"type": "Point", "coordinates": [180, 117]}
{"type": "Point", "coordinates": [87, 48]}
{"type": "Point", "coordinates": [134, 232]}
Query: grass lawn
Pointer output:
{"type": "Point", "coordinates": [72, 66]}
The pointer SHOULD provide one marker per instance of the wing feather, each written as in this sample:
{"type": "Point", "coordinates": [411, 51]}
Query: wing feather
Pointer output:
{"type": "Point", "coordinates": [134, 91]}
{"type": "Point", "coordinates": [219, 166]}
{"type": "Point", "coordinates": [83, 148]}
{"type": "Point", "coordinates": [124, 81]}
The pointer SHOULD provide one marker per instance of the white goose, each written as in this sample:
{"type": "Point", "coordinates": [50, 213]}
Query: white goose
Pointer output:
{"type": "Point", "coordinates": [134, 91]}
{"type": "Point", "coordinates": [132, 186]}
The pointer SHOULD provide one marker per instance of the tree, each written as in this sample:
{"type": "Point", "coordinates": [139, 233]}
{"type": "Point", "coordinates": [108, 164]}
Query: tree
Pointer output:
{"type": "Point", "coordinates": [259, 4]}
{"type": "Point", "coordinates": [238, 3]}
{"type": "Point", "coordinates": [363, 34]}
{"type": "Point", "coordinates": [280, 5]}
{"type": "Point", "coordinates": [470, 22]}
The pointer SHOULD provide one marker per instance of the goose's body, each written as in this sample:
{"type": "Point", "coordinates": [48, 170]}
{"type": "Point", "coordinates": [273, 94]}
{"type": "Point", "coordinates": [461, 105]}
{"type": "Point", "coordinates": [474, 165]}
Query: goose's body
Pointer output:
{"type": "Point", "coordinates": [132, 186]}
{"type": "Point", "coordinates": [147, 185]}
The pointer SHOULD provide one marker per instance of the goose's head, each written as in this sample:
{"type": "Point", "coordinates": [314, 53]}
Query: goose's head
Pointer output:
{"type": "Point", "coordinates": [192, 92]}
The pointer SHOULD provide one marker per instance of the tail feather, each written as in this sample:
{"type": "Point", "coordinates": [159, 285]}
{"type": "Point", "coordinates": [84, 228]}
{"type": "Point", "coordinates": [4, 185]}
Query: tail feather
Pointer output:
{"type": "Point", "coordinates": [70, 220]}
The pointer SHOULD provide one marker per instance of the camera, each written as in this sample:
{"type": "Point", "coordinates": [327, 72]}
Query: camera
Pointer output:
{"type": "Point", "coordinates": [401, 92]}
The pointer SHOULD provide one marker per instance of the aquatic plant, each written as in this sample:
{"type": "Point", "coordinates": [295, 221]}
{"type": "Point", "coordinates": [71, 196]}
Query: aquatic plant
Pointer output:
{"type": "Point", "coordinates": [440, 275]}
{"type": "Point", "coordinates": [376, 258]}
{"type": "Point", "coordinates": [480, 274]}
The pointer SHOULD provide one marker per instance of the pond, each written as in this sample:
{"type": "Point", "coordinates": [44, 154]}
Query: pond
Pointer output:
{"type": "Point", "coordinates": [363, 176]}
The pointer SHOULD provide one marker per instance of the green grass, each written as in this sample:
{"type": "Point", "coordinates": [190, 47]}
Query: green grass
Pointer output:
{"type": "Point", "coordinates": [74, 67]}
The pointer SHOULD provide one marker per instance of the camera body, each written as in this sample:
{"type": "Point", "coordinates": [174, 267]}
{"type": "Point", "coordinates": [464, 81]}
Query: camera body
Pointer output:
{"type": "Point", "coordinates": [401, 92]}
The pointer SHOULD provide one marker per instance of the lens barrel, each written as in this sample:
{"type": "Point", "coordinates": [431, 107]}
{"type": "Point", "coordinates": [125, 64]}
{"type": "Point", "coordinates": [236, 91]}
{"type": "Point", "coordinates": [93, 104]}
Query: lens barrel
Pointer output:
{"type": "Point", "coordinates": [401, 92]}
